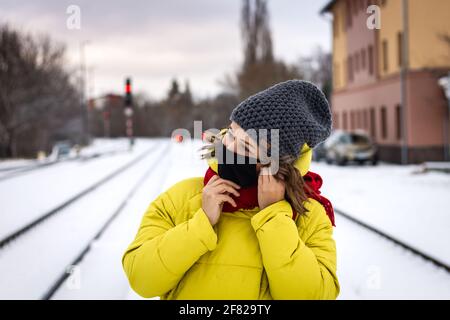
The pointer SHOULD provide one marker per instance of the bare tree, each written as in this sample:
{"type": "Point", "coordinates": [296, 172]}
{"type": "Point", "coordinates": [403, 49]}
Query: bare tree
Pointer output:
{"type": "Point", "coordinates": [36, 93]}
{"type": "Point", "coordinates": [259, 69]}
{"type": "Point", "coordinates": [255, 31]}
{"type": "Point", "coordinates": [317, 68]}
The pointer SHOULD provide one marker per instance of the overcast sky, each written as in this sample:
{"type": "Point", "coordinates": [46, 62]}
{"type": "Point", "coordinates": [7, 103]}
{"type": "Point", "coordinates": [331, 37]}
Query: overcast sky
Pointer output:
{"type": "Point", "coordinates": [156, 41]}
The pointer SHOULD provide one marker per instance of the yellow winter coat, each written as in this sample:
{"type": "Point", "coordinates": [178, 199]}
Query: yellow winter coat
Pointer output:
{"type": "Point", "coordinates": [248, 254]}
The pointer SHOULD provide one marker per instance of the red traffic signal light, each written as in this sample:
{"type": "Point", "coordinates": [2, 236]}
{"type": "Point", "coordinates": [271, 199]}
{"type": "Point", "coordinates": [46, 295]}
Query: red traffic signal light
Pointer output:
{"type": "Point", "coordinates": [128, 86]}
{"type": "Point", "coordinates": [128, 96]}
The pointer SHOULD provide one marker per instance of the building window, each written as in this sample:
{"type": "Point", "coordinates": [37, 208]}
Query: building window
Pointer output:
{"type": "Point", "coordinates": [336, 75]}
{"type": "Point", "coordinates": [373, 128]}
{"type": "Point", "coordinates": [345, 70]}
{"type": "Point", "coordinates": [363, 58]}
{"type": "Point", "coordinates": [370, 58]}
{"type": "Point", "coordinates": [385, 55]}
{"type": "Point", "coordinates": [352, 120]}
{"type": "Point", "coordinates": [357, 119]}
{"type": "Point", "coordinates": [366, 121]}
{"type": "Point", "coordinates": [400, 48]}
{"type": "Point", "coordinates": [398, 121]}
{"type": "Point", "coordinates": [360, 119]}
{"type": "Point", "coordinates": [344, 120]}
{"type": "Point", "coordinates": [349, 13]}
{"type": "Point", "coordinates": [335, 25]}
{"type": "Point", "coordinates": [356, 62]}
{"type": "Point", "coordinates": [350, 68]}
{"type": "Point", "coordinates": [383, 122]}
{"type": "Point", "coordinates": [336, 120]}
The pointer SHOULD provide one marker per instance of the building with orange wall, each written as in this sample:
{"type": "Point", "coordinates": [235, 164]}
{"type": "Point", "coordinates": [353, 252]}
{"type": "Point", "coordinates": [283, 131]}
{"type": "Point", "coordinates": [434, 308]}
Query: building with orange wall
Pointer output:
{"type": "Point", "coordinates": [385, 80]}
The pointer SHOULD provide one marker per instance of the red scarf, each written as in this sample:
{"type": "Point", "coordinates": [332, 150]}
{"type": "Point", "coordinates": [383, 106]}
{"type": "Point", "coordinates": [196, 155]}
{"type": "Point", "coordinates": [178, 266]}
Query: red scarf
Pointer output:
{"type": "Point", "coordinates": [248, 198]}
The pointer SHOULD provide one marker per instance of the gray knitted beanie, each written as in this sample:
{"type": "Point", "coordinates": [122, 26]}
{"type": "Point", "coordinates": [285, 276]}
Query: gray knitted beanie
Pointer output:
{"type": "Point", "coordinates": [297, 108]}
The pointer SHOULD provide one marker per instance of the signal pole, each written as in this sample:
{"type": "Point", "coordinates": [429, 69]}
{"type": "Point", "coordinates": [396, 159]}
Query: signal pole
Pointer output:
{"type": "Point", "coordinates": [129, 111]}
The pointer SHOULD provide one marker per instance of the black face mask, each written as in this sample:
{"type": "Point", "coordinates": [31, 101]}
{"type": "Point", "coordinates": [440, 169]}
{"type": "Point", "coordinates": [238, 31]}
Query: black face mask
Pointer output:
{"type": "Point", "coordinates": [237, 168]}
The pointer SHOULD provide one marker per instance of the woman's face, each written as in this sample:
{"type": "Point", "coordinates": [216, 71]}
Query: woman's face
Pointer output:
{"type": "Point", "coordinates": [239, 141]}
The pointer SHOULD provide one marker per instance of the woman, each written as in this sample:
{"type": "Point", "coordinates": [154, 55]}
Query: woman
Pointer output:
{"type": "Point", "coordinates": [246, 231]}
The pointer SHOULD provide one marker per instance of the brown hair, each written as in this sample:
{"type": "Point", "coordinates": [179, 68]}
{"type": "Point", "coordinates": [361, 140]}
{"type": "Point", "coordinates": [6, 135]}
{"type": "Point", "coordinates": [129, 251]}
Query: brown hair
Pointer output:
{"type": "Point", "coordinates": [295, 184]}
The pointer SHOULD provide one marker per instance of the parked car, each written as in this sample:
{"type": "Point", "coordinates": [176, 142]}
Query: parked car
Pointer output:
{"type": "Point", "coordinates": [61, 149]}
{"type": "Point", "coordinates": [319, 152]}
{"type": "Point", "coordinates": [342, 147]}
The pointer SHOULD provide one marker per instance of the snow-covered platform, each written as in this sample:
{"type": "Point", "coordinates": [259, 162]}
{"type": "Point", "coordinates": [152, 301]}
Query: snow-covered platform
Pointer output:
{"type": "Point", "coordinates": [411, 207]}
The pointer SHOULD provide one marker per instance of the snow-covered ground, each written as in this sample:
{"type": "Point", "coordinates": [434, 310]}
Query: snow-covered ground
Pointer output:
{"type": "Point", "coordinates": [28, 196]}
{"type": "Point", "coordinates": [369, 267]}
{"type": "Point", "coordinates": [103, 262]}
{"type": "Point", "coordinates": [41, 255]}
{"type": "Point", "coordinates": [6, 165]}
{"type": "Point", "coordinates": [99, 147]}
{"type": "Point", "coordinates": [412, 207]}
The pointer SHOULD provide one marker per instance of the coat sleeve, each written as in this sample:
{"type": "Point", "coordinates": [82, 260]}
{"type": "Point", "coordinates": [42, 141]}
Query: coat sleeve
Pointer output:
{"type": "Point", "coordinates": [162, 252]}
{"type": "Point", "coordinates": [297, 269]}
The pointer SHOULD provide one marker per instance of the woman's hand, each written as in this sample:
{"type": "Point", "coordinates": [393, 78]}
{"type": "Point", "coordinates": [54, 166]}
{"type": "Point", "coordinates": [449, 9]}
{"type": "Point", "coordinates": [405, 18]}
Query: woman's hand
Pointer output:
{"type": "Point", "coordinates": [215, 193]}
{"type": "Point", "coordinates": [270, 190]}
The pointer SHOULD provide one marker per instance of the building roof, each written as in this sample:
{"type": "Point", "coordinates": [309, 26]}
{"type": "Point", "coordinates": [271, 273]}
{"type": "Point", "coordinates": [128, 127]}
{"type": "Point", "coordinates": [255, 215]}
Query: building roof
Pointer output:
{"type": "Point", "coordinates": [328, 6]}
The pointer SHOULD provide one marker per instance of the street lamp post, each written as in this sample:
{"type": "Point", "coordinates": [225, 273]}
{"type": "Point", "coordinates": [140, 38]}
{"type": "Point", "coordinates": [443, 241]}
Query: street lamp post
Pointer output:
{"type": "Point", "coordinates": [445, 84]}
{"type": "Point", "coordinates": [403, 81]}
{"type": "Point", "coordinates": [83, 104]}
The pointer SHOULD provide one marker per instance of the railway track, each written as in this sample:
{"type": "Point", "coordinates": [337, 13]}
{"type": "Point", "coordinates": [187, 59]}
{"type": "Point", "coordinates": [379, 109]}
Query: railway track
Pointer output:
{"type": "Point", "coordinates": [78, 255]}
{"type": "Point", "coordinates": [393, 239]}
{"type": "Point", "coordinates": [31, 225]}
{"type": "Point", "coordinates": [64, 275]}
{"type": "Point", "coordinates": [20, 170]}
